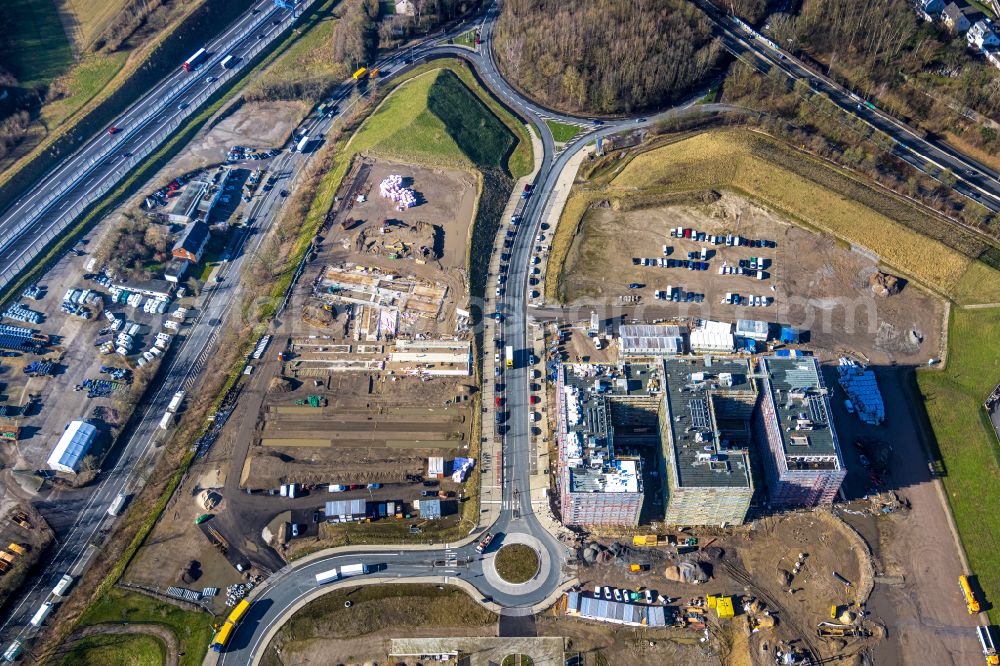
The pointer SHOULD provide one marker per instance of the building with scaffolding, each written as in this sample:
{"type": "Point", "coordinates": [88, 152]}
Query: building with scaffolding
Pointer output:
{"type": "Point", "coordinates": [802, 458]}
{"type": "Point", "coordinates": [600, 482]}
{"type": "Point", "coordinates": [706, 426]}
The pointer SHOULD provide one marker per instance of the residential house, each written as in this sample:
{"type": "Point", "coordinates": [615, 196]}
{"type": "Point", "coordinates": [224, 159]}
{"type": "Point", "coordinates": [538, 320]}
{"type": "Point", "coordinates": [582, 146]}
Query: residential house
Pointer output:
{"type": "Point", "coordinates": [191, 243]}
{"type": "Point", "coordinates": [929, 9]}
{"type": "Point", "coordinates": [955, 18]}
{"type": "Point", "coordinates": [981, 36]}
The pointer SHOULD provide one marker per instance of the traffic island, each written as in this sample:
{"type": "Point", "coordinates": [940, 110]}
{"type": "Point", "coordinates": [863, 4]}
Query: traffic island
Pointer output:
{"type": "Point", "coordinates": [516, 563]}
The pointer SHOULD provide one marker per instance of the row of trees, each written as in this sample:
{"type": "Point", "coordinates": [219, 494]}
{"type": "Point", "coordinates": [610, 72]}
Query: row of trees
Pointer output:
{"type": "Point", "coordinates": [605, 56]}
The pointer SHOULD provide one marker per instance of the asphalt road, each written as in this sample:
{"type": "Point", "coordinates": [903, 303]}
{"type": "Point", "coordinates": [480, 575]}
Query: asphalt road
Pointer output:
{"type": "Point", "coordinates": [105, 159]}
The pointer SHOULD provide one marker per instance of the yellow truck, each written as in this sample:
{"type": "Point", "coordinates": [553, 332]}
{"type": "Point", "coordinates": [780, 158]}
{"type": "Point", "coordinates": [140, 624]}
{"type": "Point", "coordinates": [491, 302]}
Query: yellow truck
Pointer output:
{"type": "Point", "coordinates": [970, 597]}
{"type": "Point", "coordinates": [645, 540]}
{"type": "Point", "coordinates": [360, 74]}
{"type": "Point", "coordinates": [17, 548]}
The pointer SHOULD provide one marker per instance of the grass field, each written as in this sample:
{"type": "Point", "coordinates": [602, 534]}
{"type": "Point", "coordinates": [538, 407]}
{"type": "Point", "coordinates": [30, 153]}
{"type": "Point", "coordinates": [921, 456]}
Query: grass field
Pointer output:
{"type": "Point", "coordinates": [115, 650]}
{"type": "Point", "coordinates": [562, 132]}
{"type": "Point", "coordinates": [516, 563]}
{"type": "Point", "coordinates": [435, 119]}
{"type": "Point", "coordinates": [970, 455]}
{"type": "Point", "coordinates": [93, 16]}
{"type": "Point", "coordinates": [193, 630]}
{"type": "Point", "coordinates": [377, 607]}
{"type": "Point", "coordinates": [308, 67]}
{"type": "Point", "coordinates": [804, 190]}
{"type": "Point", "coordinates": [467, 39]}
{"type": "Point", "coordinates": [83, 82]}
{"type": "Point", "coordinates": [39, 49]}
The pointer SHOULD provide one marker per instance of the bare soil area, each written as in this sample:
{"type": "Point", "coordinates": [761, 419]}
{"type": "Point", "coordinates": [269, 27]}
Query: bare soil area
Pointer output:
{"type": "Point", "coordinates": [258, 125]}
{"type": "Point", "coordinates": [817, 284]}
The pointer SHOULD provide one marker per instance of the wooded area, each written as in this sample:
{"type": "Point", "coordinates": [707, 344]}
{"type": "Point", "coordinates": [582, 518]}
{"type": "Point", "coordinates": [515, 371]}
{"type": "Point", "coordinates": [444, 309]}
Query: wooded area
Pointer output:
{"type": "Point", "coordinates": [912, 68]}
{"type": "Point", "coordinates": [604, 56]}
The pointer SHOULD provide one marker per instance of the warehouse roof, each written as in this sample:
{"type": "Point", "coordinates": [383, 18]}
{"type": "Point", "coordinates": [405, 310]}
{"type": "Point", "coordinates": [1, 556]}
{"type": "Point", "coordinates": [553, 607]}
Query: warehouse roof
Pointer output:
{"type": "Point", "coordinates": [638, 615]}
{"type": "Point", "coordinates": [651, 339]}
{"type": "Point", "coordinates": [706, 402]}
{"type": "Point", "coordinates": [72, 446]}
{"type": "Point", "coordinates": [353, 507]}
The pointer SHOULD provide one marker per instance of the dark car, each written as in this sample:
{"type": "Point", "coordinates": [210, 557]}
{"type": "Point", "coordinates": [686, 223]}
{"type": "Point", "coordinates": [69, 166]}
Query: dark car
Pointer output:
{"type": "Point", "coordinates": [428, 493]}
{"type": "Point", "coordinates": [315, 516]}
{"type": "Point", "coordinates": [432, 483]}
{"type": "Point", "coordinates": [634, 285]}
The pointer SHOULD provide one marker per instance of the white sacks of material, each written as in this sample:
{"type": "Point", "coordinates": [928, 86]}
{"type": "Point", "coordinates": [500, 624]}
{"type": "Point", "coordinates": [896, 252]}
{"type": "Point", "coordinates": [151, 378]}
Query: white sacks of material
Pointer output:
{"type": "Point", "coordinates": [392, 188]}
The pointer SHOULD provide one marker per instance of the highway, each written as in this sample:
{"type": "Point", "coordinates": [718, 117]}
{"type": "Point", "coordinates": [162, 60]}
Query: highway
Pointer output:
{"type": "Point", "coordinates": [973, 180]}
{"type": "Point", "coordinates": [105, 159]}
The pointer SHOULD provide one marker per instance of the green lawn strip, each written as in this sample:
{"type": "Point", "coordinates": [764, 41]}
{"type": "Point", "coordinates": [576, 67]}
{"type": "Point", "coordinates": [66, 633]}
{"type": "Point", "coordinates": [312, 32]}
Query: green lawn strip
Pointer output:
{"type": "Point", "coordinates": [966, 444]}
{"type": "Point", "coordinates": [562, 132]}
{"type": "Point", "coordinates": [39, 50]}
{"type": "Point", "coordinates": [467, 39]}
{"type": "Point", "coordinates": [193, 629]}
{"type": "Point", "coordinates": [85, 81]}
{"type": "Point", "coordinates": [115, 650]}
{"type": "Point", "coordinates": [378, 607]}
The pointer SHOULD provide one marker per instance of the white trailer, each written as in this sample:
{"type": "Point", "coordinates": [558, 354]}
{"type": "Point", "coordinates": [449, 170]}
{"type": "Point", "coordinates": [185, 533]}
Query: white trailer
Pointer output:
{"type": "Point", "coordinates": [327, 576]}
{"type": "Point", "coordinates": [353, 570]}
{"type": "Point", "coordinates": [63, 585]}
{"type": "Point", "coordinates": [303, 144]}
{"type": "Point", "coordinates": [117, 505]}
{"type": "Point", "coordinates": [167, 419]}
{"type": "Point", "coordinates": [40, 614]}
{"type": "Point", "coordinates": [175, 402]}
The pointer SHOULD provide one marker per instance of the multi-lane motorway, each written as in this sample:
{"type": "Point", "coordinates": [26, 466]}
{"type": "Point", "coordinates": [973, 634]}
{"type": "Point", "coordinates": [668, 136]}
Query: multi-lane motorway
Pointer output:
{"type": "Point", "coordinates": [106, 158]}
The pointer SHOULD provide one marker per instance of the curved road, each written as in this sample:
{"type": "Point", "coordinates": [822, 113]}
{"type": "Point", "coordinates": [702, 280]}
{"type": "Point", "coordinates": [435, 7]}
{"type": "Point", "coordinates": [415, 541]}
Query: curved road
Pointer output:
{"type": "Point", "coordinates": [287, 590]}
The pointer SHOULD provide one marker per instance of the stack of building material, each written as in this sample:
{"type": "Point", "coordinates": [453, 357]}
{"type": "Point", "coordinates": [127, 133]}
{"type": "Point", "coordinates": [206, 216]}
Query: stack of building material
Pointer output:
{"type": "Point", "coordinates": [861, 388]}
{"type": "Point", "coordinates": [392, 188]}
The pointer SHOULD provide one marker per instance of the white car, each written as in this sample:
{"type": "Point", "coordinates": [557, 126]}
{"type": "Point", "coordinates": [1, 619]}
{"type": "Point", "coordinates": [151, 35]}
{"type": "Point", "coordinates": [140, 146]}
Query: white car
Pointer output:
{"type": "Point", "coordinates": [597, 592]}
{"type": "Point", "coordinates": [649, 596]}
{"type": "Point", "coordinates": [607, 593]}
{"type": "Point", "coordinates": [618, 594]}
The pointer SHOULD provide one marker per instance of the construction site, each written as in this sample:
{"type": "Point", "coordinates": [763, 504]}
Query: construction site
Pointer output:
{"type": "Point", "coordinates": [358, 413]}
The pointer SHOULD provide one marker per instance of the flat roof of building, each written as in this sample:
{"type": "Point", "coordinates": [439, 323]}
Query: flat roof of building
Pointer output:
{"type": "Point", "coordinates": [591, 459]}
{"type": "Point", "coordinates": [707, 399]}
{"type": "Point", "coordinates": [802, 405]}
{"type": "Point", "coordinates": [651, 339]}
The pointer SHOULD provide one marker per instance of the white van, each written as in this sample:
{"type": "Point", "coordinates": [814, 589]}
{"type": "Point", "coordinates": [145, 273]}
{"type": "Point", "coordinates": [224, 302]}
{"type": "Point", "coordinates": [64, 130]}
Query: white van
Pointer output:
{"type": "Point", "coordinates": [117, 505]}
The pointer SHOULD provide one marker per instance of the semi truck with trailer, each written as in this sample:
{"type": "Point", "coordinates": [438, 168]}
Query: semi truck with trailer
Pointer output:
{"type": "Point", "coordinates": [341, 572]}
{"type": "Point", "coordinates": [192, 63]}
{"type": "Point", "coordinates": [64, 583]}
{"type": "Point", "coordinates": [989, 647]}
{"type": "Point", "coordinates": [302, 144]}
{"type": "Point", "coordinates": [43, 612]}
{"type": "Point", "coordinates": [175, 402]}
{"type": "Point", "coordinates": [224, 633]}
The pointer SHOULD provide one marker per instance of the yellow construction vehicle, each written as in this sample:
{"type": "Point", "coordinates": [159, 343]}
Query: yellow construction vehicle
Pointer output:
{"type": "Point", "coordinates": [970, 598]}
{"type": "Point", "coordinates": [17, 548]}
{"type": "Point", "coordinates": [645, 540]}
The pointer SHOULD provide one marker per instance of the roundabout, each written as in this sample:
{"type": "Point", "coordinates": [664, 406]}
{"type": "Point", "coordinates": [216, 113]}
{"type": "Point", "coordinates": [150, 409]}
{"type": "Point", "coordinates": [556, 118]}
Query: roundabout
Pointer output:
{"type": "Point", "coordinates": [519, 565]}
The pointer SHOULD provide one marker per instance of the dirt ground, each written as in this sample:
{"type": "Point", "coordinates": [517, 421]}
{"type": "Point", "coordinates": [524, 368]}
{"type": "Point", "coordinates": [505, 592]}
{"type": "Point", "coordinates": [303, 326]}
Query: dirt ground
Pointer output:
{"type": "Point", "coordinates": [752, 562]}
{"type": "Point", "coordinates": [374, 413]}
{"type": "Point", "coordinates": [260, 125]}
{"type": "Point", "coordinates": [817, 284]}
